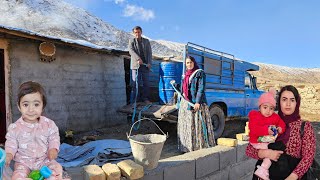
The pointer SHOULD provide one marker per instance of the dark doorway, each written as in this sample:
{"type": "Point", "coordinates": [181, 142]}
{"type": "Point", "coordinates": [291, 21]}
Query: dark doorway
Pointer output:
{"type": "Point", "coordinates": [127, 78]}
{"type": "Point", "coordinates": [2, 99]}
{"type": "Point", "coordinates": [153, 80]}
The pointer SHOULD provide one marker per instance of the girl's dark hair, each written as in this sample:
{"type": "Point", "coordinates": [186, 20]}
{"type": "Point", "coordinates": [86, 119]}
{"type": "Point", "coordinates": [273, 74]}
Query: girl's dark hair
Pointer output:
{"type": "Point", "coordinates": [29, 88]}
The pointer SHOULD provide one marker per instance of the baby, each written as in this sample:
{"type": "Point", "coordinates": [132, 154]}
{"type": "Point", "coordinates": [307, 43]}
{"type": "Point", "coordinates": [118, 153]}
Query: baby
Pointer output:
{"type": "Point", "coordinates": [33, 140]}
{"type": "Point", "coordinates": [264, 127]}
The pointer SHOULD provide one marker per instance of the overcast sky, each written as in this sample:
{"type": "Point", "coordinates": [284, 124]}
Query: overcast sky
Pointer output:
{"type": "Point", "coordinates": [277, 32]}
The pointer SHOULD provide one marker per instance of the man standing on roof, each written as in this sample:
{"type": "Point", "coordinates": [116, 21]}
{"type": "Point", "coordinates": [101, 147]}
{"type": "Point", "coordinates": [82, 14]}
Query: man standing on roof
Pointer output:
{"type": "Point", "coordinates": [141, 60]}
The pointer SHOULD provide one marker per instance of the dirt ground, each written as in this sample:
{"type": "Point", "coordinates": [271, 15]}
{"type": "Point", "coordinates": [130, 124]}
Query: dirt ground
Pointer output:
{"type": "Point", "coordinates": [147, 127]}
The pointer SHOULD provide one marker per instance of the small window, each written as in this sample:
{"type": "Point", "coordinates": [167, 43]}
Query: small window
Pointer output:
{"type": "Point", "coordinates": [247, 81]}
{"type": "Point", "coordinates": [212, 66]}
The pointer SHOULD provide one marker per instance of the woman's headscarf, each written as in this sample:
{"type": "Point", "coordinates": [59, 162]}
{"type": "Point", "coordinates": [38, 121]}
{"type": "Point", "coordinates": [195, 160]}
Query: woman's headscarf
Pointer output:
{"type": "Point", "coordinates": [288, 118]}
{"type": "Point", "coordinates": [185, 85]}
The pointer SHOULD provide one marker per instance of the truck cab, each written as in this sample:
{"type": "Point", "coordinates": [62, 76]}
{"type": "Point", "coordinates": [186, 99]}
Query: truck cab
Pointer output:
{"type": "Point", "coordinates": [231, 90]}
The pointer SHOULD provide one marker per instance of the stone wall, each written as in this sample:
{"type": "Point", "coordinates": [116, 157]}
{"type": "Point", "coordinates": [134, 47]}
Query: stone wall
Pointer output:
{"type": "Point", "coordinates": [310, 96]}
{"type": "Point", "coordinates": [84, 89]}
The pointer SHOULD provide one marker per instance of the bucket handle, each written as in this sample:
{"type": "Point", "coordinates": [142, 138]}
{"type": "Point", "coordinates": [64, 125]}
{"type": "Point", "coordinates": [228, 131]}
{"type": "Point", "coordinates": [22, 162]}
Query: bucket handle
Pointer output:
{"type": "Point", "coordinates": [149, 120]}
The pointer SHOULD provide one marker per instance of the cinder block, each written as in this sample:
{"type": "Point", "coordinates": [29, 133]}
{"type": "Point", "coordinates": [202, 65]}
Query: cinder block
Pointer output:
{"type": "Point", "coordinates": [242, 137]}
{"type": "Point", "coordinates": [155, 174]}
{"type": "Point", "coordinates": [153, 177]}
{"type": "Point", "coordinates": [93, 172]}
{"type": "Point", "coordinates": [179, 167]}
{"type": "Point", "coordinates": [185, 171]}
{"type": "Point", "coordinates": [131, 169]}
{"type": "Point", "coordinates": [248, 176]}
{"type": "Point", "coordinates": [241, 151]}
{"type": "Point", "coordinates": [228, 156]}
{"type": "Point", "coordinates": [242, 169]}
{"type": "Point", "coordinates": [219, 175]}
{"type": "Point", "coordinates": [246, 130]}
{"type": "Point", "coordinates": [208, 163]}
{"type": "Point", "coordinates": [112, 171]}
{"type": "Point", "coordinates": [227, 142]}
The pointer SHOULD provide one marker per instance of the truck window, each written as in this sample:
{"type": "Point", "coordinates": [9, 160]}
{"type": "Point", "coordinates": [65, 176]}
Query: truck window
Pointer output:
{"type": "Point", "coordinates": [212, 66]}
{"type": "Point", "coordinates": [247, 81]}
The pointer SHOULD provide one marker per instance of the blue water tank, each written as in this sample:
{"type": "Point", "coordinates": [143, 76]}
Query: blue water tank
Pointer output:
{"type": "Point", "coordinates": [154, 74]}
{"type": "Point", "coordinates": [168, 71]}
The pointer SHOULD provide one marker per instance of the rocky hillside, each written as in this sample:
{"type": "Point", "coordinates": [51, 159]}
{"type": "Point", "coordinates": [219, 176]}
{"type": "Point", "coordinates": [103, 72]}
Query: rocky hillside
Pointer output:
{"type": "Point", "coordinates": [59, 19]}
{"type": "Point", "coordinates": [306, 80]}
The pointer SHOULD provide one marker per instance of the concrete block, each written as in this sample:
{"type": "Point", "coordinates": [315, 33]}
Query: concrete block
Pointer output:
{"type": "Point", "coordinates": [112, 171]}
{"type": "Point", "coordinates": [185, 171]}
{"type": "Point", "coordinates": [242, 137]}
{"type": "Point", "coordinates": [155, 174]}
{"type": "Point", "coordinates": [131, 169]}
{"type": "Point", "coordinates": [93, 172]}
{"type": "Point", "coordinates": [227, 142]}
{"type": "Point", "coordinates": [207, 162]}
{"type": "Point", "coordinates": [241, 151]}
{"type": "Point", "coordinates": [246, 130]}
{"type": "Point", "coordinates": [179, 167]}
{"type": "Point", "coordinates": [248, 176]}
{"type": "Point", "coordinates": [241, 169]}
{"type": "Point", "coordinates": [153, 177]}
{"type": "Point", "coordinates": [228, 156]}
{"type": "Point", "coordinates": [219, 175]}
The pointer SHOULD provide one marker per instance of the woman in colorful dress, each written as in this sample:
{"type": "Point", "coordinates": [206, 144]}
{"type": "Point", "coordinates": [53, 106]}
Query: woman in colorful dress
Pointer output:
{"type": "Point", "coordinates": [298, 145]}
{"type": "Point", "coordinates": [195, 130]}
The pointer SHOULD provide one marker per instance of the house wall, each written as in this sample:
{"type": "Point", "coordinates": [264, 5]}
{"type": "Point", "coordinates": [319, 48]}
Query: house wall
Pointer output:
{"type": "Point", "coordinates": [84, 89]}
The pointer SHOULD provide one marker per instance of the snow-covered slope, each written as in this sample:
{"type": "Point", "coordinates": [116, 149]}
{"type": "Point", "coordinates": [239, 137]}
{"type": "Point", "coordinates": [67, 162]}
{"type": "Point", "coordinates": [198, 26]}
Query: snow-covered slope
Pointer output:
{"type": "Point", "coordinates": [288, 74]}
{"type": "Point", "coordinates": [172, 45]}
{"type": "Point", "coordinates": [60, 19]}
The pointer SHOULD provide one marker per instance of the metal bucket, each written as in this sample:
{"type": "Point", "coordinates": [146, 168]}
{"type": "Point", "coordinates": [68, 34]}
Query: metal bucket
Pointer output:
{"type": "Point", "coordinates": [146, 149]}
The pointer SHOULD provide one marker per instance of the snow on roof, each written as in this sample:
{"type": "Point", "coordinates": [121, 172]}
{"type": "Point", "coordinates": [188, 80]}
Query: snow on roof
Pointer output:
{"type": "Point", "coordinates": [65, 40]}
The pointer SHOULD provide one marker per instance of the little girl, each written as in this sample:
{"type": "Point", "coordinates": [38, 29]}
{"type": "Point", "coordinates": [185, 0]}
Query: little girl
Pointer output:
{"type": "Point", "coordinates": [262, 125]}
{"type": "Point", "coordinates": [33, 140]}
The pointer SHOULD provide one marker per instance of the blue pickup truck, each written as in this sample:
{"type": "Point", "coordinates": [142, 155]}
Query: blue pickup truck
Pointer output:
{"type": "Point", "coordinates": [230, 90]}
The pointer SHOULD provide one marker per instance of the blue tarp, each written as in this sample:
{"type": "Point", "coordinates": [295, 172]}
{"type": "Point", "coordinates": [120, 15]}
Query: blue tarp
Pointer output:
{"type": "Point", "coordinates": [95, 152]}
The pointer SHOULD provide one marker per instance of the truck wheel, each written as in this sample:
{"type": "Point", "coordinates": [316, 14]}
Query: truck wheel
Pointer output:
{"type": "Point", "coordinates": [218, 120]}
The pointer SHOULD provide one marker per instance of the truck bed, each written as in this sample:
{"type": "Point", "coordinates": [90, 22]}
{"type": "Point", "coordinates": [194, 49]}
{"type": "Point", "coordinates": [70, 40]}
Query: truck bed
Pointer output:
{"type": "Point", "coordinates": [155, 111]}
